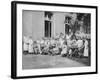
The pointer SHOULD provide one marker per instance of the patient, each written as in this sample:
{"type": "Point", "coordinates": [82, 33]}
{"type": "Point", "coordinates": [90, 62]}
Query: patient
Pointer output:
{"type": "Point", "coordinates": [64, 49]}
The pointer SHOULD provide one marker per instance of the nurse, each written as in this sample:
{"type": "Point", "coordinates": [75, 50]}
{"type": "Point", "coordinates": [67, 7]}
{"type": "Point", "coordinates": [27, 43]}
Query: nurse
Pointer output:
{"type": "Point", "coordinates": [30, 50]}
{"type": "Point", "coordinates": [86, 48]}
{"type": "Point", "coordinates": [25, 45]}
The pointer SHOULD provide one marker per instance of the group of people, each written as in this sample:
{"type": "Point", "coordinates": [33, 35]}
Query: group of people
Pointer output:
{"type": "Point", "coordinates": [64, 45]}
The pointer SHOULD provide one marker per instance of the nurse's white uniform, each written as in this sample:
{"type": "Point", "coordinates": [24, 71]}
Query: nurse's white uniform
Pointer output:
{"type": "Point", "coordinates": [69, 42]}
{"type": "Point", "coordinates": [30, 46]}
{"type": "Point", "coordinates": [86, 48]}
{"type": "Point", "coordinates": [25, 45]}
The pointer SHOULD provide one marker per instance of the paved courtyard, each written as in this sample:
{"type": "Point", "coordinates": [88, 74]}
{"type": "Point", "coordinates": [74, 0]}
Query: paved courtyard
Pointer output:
{"type": "Point", "coordinates": [46, 61]}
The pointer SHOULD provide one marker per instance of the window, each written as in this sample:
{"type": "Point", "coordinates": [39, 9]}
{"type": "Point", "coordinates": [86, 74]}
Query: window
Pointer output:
{"type": "Point", "coordinates": [47, 28]}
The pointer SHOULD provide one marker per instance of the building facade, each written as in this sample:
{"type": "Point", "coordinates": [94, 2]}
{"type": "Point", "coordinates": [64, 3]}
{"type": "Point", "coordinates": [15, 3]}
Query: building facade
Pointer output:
{"type": "Point", "coordinates": [38, 24]}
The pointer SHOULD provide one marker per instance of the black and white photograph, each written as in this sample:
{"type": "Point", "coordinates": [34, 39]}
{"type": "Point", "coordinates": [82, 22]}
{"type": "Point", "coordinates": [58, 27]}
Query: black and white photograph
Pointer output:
{"type": "Point", "coordinates": [53, 39]}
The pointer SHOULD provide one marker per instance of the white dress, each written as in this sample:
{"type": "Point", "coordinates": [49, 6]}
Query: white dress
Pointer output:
{"type": "Point", "coordinates": [79, 43]}
{"type": "Point", "coordinates": [86, 48]}
{"type": "Point", "coordinates": [68, 40]}
{"type": "Point", "coordinates": [25, 44]}
{"type": "Point", "coordinates": [61, 41]}
{"type": "Point", "coordinates": [30, 46]}
{"type": "Point", "coordinates": [70, 51]}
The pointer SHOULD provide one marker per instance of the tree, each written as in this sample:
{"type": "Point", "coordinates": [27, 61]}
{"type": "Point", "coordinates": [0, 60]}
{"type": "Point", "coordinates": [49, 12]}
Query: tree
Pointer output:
{"type": "Point", "coordinates": [87, 23]}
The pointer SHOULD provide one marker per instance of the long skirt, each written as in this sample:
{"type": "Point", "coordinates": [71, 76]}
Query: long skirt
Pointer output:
{"type": "Point", "coordinates": [86, 52]}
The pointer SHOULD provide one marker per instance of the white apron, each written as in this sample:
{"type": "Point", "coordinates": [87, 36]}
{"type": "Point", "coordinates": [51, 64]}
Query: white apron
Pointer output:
{"type": "Point", "coordinates": [25, 45]}
{"type": "Point", "coordinates": [86, 48]}
{"type": "Point", "coordinates": [30, 46]}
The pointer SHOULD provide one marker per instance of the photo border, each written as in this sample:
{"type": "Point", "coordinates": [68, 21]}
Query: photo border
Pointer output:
{"type": "Point", "coordinates": [14, 38]}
